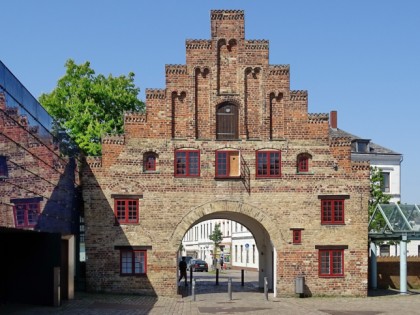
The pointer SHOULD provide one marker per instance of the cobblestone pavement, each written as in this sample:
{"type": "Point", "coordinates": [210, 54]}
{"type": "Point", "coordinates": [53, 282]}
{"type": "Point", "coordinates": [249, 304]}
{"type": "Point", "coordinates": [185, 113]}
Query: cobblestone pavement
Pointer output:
{"type": "Point", "coordinates": [219, 303]}
{"type": "Point", "coordinates": [212, 299]}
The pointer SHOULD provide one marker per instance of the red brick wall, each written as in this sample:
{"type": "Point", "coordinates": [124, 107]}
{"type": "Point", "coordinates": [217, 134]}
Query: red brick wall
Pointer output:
{"type": "Point", "coordinates": [226, 68]}
{"type": "Point", "coordinates": [36, 169]}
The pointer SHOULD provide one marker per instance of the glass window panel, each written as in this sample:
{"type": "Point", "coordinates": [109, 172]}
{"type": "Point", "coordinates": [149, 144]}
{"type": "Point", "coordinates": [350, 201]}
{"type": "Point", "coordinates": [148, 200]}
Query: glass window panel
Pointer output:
{"type": "Point", "coordinates": [181, 163]}
{"type": "Point", "coordinates": [132, 210]}
{"type": "Point", "coordinates": [325, 262]}
{"type": "Point", "coordinates": [32, 213]}
{"type": "Point", "coordinates": [121, 210]}
{"type": "Point", "coordinates": [338, 211]}
{"type": "Point", "coordinates": [326, 211]}
{"type": "Point", "coordinates": [222, 163]}
{"type": "Point", "coordinates": [193, 163]}
{"type": "Point", "coordinates": [20, 215]}
{"type": "Point", "coordinates": [337, 263]}
{"type": "Point", "coordinates": [126, 263]}
{"type": "Point", "coordinates": [139, 262]}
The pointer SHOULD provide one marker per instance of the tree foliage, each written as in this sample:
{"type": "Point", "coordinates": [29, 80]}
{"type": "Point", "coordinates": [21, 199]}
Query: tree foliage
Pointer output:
{"type": "Point", "coordinates": [88, 105]}
{"type": "Point", "coordinates": [377, 196]}
{"type": "Point", "coordinates": [217, 237]}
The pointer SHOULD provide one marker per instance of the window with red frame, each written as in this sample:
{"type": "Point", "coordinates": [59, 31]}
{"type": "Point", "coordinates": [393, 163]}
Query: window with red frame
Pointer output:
{"type": "Point", "coordinates": [331, 262]}
{"type": "Point", "coordinates": [297, 236]}
{"type": "Point", "coordinates": [303, 163]}
{"type": "Point", "coordinates": [26, 213]}
{"type": "Point", "coordinates": [227, 164]}
{"type": "Point", "coordinates": [133, 262]}
{"type": "Point", "coordinates": [268, 164]}
{"type": "Point", "coordinates": [187, 163]}
{"type": "Point", "coordinates": [126, 210]}
{"type": "Point", "coordinates": [3, 167]}
{"type": "Point", "coordinates": [332, 211]}
{"type": "Point", "coordinates": [149, 163]}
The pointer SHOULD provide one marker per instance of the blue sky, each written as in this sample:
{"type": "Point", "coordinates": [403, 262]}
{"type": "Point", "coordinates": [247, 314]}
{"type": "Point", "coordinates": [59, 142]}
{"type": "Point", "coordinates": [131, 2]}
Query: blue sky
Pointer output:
{"type": "Point", "coordinates": [359, 57]}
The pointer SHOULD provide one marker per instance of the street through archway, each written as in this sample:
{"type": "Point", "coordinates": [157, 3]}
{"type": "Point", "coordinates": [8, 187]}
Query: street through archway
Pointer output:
{"type": "Point", "coordinates": [205, 282]}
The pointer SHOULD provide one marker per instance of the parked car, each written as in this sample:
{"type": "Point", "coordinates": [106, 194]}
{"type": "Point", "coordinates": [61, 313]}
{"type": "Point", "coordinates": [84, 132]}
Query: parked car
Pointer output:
{"type": "Point", "coordinates": [198, 265]}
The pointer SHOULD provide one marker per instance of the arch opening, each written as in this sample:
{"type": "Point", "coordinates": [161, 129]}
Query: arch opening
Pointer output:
{"type": "Point", "coordinates": [239, 245]}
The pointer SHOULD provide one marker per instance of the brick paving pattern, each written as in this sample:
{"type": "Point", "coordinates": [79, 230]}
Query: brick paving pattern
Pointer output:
{"type": "Point", "coordinates": [219, 303]}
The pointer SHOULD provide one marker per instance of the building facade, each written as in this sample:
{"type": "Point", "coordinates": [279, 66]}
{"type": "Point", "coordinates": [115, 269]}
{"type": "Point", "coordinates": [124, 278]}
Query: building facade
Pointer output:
{"type": "Point", "coordinates": [237, 249]}
{"type": "Point", "coordinates": [389, 162]}
{"type": "Point", "coordinates": [39, 192]}
{"type": "Point", "coordinates": [227, 139]}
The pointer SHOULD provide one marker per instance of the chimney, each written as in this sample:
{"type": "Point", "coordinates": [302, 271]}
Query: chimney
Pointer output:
{"type": "Point", "coordinates": [333, 119]}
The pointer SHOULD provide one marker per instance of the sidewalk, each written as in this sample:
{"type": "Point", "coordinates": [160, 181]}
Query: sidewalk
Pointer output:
{"type": "Point", "coordinates": [219, 303]}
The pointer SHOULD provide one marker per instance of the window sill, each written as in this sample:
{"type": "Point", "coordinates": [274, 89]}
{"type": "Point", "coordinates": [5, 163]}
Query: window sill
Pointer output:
{"type": "Point", "coordinates": [186, 176]}
{"type": "Point", "coordinates": [332, 224]}
{"type": "Point", "coordinates": [305, 173]}
{"type": "Point", "coordinates": [151, 172]}
{"type": "Point", "coordinates": [332, 276]}
{"type": "Point", "coordinates": [228, 178]}
{"type": "Point", "coordinates": [125, 223]}
{"type": "Point", "coordinates": [228, 139]}
{"type": "Point", "coordinates": [268, 177]}
{"type": "Point", "coordinates": [141, 275]}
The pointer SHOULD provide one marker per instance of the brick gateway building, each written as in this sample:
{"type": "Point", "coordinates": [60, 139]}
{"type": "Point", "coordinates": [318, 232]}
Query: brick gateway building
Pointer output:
{"type": "Point", "coordinates": [227, 138]}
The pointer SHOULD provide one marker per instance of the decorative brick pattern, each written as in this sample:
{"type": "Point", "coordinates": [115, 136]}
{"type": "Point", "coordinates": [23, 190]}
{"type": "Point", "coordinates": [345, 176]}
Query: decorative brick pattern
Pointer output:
{"type": "Point", "coordinates": [226, 68]}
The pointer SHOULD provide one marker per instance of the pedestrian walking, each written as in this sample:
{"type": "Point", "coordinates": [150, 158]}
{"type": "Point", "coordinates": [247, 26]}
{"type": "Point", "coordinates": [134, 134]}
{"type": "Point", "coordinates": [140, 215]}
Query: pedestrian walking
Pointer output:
{"type": "Point", "coordinates": [183, 271]}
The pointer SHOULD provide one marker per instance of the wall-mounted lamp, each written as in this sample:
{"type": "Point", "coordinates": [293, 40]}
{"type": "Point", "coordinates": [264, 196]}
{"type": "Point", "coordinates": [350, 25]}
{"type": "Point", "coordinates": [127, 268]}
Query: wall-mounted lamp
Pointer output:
{"type": "Point", "coordinates": [335, 166]}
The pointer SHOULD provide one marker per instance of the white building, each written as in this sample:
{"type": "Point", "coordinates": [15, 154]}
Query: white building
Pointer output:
{"type": "Point", "coordinates": [389, 162]}
{"type": "Point", "coordinates": [239, 250]}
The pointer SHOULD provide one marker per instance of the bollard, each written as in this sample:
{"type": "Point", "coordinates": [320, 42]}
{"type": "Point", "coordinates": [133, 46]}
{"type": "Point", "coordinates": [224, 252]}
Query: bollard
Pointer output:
{"type": "Point", "coordinates": [266, 288]}
{"type": "Point", "coordinates": [193, 290]}
{"type": "Point", "coordinates": [217, 276]}
{"type": "Point", "coordinates": [191, 276]}
{"type": "Point", "coordinates": [242, 277]}
{"type": "Point", "coordinates": [230, 289]}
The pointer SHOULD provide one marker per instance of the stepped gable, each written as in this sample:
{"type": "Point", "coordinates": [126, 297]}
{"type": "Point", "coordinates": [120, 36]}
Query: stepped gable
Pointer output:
{"type": "Point", "coordinates": [113, 139]}
{"type": "Point", "coordinates": [224, 117]}
{"type": "Point", "coordinates": [176, 69]}
{"type": "Point", "coordinates": [314, 118]}
{"type": "Point", "coordinates": [152, 94]}
{"type": "Point", "coordinates": [279, 69]}
{"type": "Point", "coordinates": [227, 14]}
{"type": "Point", "coordinates": [94, 161]}
{"type": "Point", "coordinates": [298, 95]}
{"type": "Point", "coordinates": [256, 44]}
{"type": "Point", "coordinates": [198, 44]}
{"type": "Point", "coordinates": [340, 142]}
{"type": "Point", "coordinates": [133, 117]}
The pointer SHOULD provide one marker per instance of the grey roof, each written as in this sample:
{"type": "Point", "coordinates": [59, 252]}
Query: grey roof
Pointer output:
{"type": "Point", "coordinates": [374, 148]}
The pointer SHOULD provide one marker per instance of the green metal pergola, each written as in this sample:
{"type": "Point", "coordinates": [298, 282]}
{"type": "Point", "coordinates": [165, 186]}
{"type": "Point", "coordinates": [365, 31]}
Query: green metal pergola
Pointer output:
{"type": "Point", "coordinates": [393, 222]}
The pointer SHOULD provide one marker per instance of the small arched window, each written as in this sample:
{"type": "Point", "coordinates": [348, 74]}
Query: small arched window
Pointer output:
{"type": "Point", "coordinates": [149, 162]}
{"type": "Point", "coordinates": [303, 163]}
{"type": "Point", "coordinates": [227, 121]}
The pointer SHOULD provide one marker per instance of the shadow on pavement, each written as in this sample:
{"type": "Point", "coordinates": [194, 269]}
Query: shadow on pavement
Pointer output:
{"type": "Point", "coordinates": [387, 292]}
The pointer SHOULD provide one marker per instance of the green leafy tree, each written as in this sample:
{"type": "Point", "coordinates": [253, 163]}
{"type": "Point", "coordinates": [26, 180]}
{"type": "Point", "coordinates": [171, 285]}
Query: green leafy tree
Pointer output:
{"type": "Point", "coordinates": [377, 196]}
{"type": "Point", "coordinates": [217, 237]}
{"type": "Point", "coordinates": [88, 105]}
